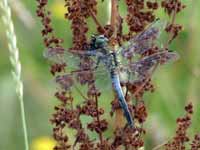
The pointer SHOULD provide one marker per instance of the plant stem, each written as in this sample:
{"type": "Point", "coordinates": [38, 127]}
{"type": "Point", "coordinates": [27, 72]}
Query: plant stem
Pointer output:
{"type": "Point", "coordinates": [119, 118]}
{"type": "Point", "coordinates": [160, 145]}
{"type": "Point", "coordinates": [114, 13]}
{"type": "Point", "coordinates": [95, 20]}
{"type": "Point", "coordinates": [24, 122]}
{"type": "Point", "coordinates": [14, 58]}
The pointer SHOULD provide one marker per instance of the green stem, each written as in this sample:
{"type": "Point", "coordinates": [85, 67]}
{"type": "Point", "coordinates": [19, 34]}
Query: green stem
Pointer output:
{"type": "Point", "coordinates": [15, 62]}
{"type": "Point", "coordinates": [24, 123]}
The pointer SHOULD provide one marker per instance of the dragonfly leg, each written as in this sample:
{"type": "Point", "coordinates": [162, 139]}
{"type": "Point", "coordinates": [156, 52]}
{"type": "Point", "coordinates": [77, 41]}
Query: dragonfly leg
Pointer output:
{"type": "Point", "coordinates": [97, 63]}
{"type": "Point", "coordinates": [129, 75]}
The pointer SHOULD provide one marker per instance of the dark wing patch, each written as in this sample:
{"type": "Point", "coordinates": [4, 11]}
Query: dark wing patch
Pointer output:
{"type": "Point", "coordinates": [142, 67]}
{"type": "Point", "coordinates": [144, 41]}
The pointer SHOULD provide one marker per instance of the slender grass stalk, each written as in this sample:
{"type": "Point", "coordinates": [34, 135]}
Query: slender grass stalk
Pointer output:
{"type": "Point", "coordinates": [14, 58]}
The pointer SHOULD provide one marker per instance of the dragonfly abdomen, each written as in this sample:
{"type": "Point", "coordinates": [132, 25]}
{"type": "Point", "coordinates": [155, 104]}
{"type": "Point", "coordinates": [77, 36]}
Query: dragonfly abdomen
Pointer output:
{"type": "Point", "coordinates": [121, 98]}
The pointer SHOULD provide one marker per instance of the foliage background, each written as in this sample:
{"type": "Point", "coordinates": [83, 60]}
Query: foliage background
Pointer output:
{"type": "Point", "coordinates": [176, 84]}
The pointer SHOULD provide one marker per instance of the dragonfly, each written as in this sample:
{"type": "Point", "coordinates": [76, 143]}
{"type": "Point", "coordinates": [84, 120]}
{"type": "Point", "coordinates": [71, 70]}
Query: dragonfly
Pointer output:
{"type": "Point", "coordinates": [129, 58]}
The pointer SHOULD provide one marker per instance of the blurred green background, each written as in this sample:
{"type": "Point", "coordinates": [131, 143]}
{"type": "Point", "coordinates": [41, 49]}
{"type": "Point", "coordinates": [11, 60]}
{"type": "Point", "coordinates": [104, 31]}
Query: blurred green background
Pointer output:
{"type": "Point", "coordinates": [176, 84]}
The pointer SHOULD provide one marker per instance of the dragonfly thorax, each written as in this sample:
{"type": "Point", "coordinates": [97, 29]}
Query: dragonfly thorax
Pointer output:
{"type": "Point", "coordinates": [100, 49]}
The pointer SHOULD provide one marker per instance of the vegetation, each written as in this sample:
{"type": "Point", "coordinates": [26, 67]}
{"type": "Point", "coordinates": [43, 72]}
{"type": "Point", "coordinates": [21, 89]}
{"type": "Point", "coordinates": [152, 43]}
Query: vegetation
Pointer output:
{"type": "Point", "coordinates": [173, 86]}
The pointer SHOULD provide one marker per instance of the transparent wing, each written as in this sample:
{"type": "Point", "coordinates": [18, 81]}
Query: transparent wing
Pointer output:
{"type": "Point", "coordinates": [143, 67]}
{"type": "Point", "coordinates": [80, 69]}
{"type": "Point", "coordinates": [60, 55]}
{"type": "Point", "coordinates": [67, 80]}
{"type": "Point", "coordinates": [144, 41]}
{"type": "Point", "coordinates": [74, 59]}
{"type": "Point", "coordinates": [76, 81]}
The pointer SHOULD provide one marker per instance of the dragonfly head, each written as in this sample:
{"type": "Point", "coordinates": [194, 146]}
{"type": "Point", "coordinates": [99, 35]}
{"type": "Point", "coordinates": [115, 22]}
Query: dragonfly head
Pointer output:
{"type": "Point", "coordinates": [99, 41]}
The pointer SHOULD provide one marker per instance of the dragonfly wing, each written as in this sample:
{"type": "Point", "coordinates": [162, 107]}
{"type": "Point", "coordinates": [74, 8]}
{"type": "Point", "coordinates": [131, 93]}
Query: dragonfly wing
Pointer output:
{"type": "Point", "coordinates": [142, 67]}
{"type": "Point", "coordinates": [72, 81]}
{"type": "Point", "coordinates": [72, 58]}
{"type": "Point", "coordinates": [66, 81]}
{"type": "Point", "coordinates": [152, 32]}
{"type": "Point", "coordinates": [144, 41]}
{"type": "Point", "coordinates": [80, 68]}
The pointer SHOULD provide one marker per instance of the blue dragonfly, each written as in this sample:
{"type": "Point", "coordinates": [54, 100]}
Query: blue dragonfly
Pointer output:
{"type": "Point", "coordinates": [129, 59]}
